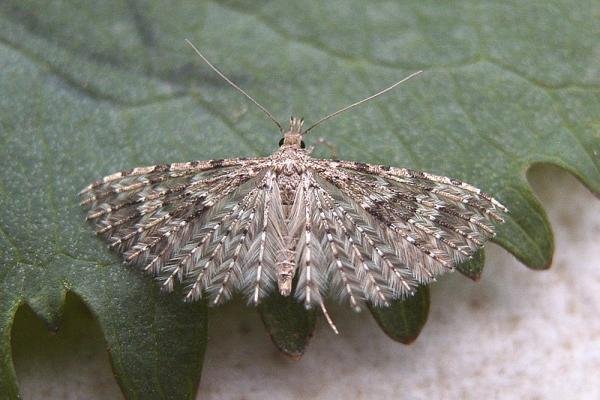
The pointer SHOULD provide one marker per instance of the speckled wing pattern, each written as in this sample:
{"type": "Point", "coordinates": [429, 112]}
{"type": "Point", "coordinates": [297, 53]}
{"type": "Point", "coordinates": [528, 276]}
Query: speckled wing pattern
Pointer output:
{"type": "Point", "coordinates": [310, 228]}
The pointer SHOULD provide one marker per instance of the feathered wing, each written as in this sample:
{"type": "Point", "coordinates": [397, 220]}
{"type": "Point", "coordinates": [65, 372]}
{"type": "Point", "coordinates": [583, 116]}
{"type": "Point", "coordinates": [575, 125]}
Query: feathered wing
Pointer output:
{"type": "Point", "coordinates": [235, 247]}
{"type": "Point", "coordinates": [355, 231]}
{"type": "Point", "coordinates": [266, 243]}
{"type": "Point", "coordinates": [378, 232]}
{"type": "Point", "coordinates": [213, 225]}
{"type": "Point", "coordinates": [342, 250]}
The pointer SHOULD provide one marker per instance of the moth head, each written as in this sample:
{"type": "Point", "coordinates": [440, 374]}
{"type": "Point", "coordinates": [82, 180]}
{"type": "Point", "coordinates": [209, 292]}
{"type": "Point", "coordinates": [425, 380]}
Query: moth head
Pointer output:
{"type": "Point", "coordinates": [293, 137]}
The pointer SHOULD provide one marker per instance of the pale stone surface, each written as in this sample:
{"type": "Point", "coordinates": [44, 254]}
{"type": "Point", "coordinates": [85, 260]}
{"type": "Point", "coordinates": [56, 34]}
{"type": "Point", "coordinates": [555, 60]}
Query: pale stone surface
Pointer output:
{"type": "Point", "coordinates": [516, 334]}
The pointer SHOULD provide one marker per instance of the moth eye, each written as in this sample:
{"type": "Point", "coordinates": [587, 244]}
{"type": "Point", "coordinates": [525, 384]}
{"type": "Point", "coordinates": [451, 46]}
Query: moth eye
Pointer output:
{"type": "Point", "coordinates": [281, 142]}
{"type": "Point", "coordinates": [302, 145]}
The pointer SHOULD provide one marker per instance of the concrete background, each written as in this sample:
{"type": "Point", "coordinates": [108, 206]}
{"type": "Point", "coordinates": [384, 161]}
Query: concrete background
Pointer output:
{"type": "Point", "coordinates": [516, 334]}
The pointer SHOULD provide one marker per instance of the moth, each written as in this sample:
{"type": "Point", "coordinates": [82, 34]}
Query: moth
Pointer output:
{"type": "Point", "coordinates": [291, 223]}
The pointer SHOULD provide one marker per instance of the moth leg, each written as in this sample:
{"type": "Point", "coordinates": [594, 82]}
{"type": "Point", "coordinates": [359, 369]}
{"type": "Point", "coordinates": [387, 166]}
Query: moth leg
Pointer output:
{"type": "Point", "coordinates": [328, 318]}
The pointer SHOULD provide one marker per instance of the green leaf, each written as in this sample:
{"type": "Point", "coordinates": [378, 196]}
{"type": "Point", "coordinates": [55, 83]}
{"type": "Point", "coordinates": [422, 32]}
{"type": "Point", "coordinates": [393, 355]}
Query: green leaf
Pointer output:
{"type": "Point", "coordinates": [404, 319]}
{"type": "Point", "coordinates": [88, 88]}
{"type": "Point", "coordinates": [474, 267]}
{"type": "Point", "coordinates": [290, 325]}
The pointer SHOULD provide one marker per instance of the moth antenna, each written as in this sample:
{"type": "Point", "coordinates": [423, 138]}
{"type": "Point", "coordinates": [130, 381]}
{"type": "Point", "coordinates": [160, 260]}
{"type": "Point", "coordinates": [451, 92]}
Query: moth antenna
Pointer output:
{"type": "Point", "coordinates": [239, 89]}
{"type": "Point", "coordinates": [361, 101]}
{"type": "Point", "coordinates": [328, 318]}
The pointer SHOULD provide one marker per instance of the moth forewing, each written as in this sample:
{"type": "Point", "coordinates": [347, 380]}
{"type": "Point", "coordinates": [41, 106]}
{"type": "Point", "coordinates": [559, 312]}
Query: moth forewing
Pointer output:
{"type": "Point", "coordinates": [267, 243]}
